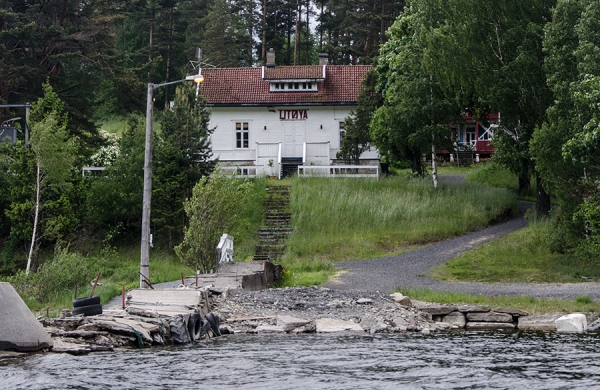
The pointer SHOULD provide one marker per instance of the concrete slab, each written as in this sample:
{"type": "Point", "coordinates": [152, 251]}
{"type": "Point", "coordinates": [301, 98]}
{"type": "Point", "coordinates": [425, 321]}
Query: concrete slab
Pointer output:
{"type": "Point", "coordinates": [164, 297]}
{"type": "Point", "coordinates": [248, 276]}
{"type": "Point", "coordinates": [332, 325]}
{"type": "Point", "coordinates": [19, 330]}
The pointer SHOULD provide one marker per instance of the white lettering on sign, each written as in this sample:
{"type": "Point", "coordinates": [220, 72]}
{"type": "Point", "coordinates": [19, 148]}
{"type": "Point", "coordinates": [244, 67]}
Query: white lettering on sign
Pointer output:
{"type": "Point", "coordinates": [286, 115]}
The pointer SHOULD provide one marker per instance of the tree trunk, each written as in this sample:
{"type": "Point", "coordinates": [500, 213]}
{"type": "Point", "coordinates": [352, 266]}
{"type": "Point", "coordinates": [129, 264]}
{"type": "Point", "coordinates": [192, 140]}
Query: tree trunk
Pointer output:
{"type": "Point", "coordinates": [297, 33]}
{"type": "Point", "coordinates": [263, 55]}
{"type": "Point", "coordinates": [35, 218]}
{"type": "Point", "coordinates": [542, 203]}
{"type": "Point", "coordinates": [169, 56]}
{"type": "Point", "coordinates": [524, 183]}
{"type": "Point", "coordinates": [307, 32]}
{"type": "Point", "coordinates": [433, 164]}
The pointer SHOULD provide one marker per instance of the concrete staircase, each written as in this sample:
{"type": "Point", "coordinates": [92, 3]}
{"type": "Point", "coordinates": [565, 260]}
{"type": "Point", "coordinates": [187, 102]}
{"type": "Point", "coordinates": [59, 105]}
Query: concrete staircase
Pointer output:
{"type": "Point", "coordinates": [277, 228]}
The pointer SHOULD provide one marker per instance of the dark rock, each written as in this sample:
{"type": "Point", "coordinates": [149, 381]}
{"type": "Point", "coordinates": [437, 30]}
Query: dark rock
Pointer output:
{"type": "Point", "coordinates": [489, 317]}
{"type": "Point", "coordinates": [474, 309]}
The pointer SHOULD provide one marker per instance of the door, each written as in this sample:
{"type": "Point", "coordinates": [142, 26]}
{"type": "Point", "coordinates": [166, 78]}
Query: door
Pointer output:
{"type": "Point", "coordinates": [293, 138]}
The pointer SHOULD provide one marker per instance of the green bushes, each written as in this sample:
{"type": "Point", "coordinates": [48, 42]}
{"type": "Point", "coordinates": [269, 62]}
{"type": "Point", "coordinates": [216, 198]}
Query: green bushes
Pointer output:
{"type": "Point", "coordinates": [58, 276]}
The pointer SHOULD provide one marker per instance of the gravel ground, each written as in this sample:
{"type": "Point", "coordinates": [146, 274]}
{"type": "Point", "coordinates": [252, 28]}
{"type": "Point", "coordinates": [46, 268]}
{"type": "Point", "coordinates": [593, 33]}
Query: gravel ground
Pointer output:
{"type": "Point", "coordinates": [408, 270]}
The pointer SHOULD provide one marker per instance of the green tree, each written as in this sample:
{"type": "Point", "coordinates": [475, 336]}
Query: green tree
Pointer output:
{"type": "Point", "coordinates": [182, 156]}
{"type": "Point", "coordinates": [357, 138]}
{"type": "Point", "coordinates": [415, 115]}
{"type": "Point", "coordinates": [54, 153]}
{"type": "Point", "coordinates": [495, 62]}
{"type": "Point", "coordinates": [571, 130]}
{"type": "Point", "coordinates": [216, 203]}
{"type": "Point", "coordinates": [114, 203]}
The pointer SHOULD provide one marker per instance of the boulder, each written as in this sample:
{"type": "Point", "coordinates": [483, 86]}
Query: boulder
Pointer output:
{"type": "Point", "coordinates": [489, 317]}
{"type": "Point", "coordinates": [401, 299]}
{"type": "Point", "coordinates": [330, 325]}
{"type": "Point", "coordinates": [571, 323]}
{"type": "Point", "coordinates": [364, 301]}
{"type": "Point", "coordinates": [19, 329]}
{"type": "Point", "coordinates": [455, 319]}
{"type": "Point", "coordinates": [594, 326]}
{"type": "Point", "coordinates": [401, 321]}
{"type": "Point", "coordinates": [373, 325]}
{"type": "Point", "coordinates": [289, 323]}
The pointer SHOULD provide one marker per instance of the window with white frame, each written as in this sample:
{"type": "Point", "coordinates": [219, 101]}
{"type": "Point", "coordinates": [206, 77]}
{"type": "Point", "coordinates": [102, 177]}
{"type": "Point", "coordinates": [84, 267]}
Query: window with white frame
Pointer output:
{"type": "Point", "coordinates": [242, 135]}
{"type": "Point", "coordinates": [342, 132]}
{"type": "Point", "coordinates": [293, 86]}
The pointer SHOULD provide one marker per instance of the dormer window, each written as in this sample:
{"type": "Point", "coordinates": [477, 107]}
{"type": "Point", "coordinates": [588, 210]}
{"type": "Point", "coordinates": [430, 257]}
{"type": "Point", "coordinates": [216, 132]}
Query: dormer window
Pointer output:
{"type": "Point", "coordinates": [293, 86]}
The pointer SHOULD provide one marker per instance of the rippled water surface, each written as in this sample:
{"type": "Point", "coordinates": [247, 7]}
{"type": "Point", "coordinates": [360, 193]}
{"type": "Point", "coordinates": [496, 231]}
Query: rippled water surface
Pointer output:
{"type": "Point", "coordinates": [458, 360]}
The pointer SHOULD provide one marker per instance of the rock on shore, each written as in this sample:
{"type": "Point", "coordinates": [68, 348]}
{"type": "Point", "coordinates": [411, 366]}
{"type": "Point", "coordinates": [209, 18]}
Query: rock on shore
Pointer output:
{"type": "Point", "coordinates": [312, 309]}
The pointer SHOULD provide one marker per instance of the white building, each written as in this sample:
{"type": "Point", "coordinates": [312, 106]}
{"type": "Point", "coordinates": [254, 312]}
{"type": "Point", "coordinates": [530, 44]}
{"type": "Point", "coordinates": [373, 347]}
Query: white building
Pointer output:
{"type": "Point", "coordinates": [273, 117]}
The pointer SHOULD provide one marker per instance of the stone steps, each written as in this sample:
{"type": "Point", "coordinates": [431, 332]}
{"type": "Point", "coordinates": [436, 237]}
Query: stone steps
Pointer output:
{"type": "Point", "coordinates": [276, 230]}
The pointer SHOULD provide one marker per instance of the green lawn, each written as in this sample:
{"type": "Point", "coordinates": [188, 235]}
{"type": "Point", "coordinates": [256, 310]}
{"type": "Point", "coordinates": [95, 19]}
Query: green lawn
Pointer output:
{"type": "Point", "coordinates": [520, 257]}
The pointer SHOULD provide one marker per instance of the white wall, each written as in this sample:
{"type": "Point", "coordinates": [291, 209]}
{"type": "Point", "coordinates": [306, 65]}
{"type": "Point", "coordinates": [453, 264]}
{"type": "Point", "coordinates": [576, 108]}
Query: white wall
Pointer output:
{"type": "Point", "coordinates": [224, 119]}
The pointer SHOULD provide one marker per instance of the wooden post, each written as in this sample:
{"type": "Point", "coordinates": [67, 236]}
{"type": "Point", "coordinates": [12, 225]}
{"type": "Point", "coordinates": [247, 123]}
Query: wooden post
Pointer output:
{"type": "Point", "coordinates": [95, 284]}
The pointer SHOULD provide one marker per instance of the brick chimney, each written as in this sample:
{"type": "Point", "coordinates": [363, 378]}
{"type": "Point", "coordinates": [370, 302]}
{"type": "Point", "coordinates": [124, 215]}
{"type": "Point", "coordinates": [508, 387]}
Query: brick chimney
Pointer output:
{"type": "Point", "coordinates": [271, 58]}
{"type": "Point", "coordinates": [323, 59]}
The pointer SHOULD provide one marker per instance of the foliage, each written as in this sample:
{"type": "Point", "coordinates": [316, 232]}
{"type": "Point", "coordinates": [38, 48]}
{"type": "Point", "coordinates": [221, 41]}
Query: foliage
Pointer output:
{"type": "Point", "coordinates": [357, 137]}
{"type": "Point", "coordinates": [572, 51]}
{"type": "Point", "coordinates": [416, 114]}
{"type": "Point", "coordinates": [65, 271]}
{"type": "Point", "coordinates": [214, 207]}
{"type": "Point", "coordinates": [495, 64]}
{"type": "Point", "coordinates": [114, 201]}
{"type": "Point", "coordinates": [182, 156]}
{"type": "Point", "coordinates": [43, 185]}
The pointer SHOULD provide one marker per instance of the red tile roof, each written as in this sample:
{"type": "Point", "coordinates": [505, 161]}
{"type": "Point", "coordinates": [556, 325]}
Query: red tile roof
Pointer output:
{"type": "Point", "coordinates": [307, 72]}
{"type": "Point", "coordinates": [245, 86]}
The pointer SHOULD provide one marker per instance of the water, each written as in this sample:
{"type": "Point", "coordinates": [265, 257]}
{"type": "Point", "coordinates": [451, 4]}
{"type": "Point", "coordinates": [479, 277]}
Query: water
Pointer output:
{"type": "Point", "coordinates": [442, 361]}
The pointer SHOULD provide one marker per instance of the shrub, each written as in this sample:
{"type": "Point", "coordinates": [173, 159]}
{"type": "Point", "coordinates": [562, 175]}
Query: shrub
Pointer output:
{"type": "Point", "coordinates": [65, 271]}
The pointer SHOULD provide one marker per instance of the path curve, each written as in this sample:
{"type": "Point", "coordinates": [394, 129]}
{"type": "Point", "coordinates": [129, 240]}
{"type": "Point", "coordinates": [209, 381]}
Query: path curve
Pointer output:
{"type": "Point", "coordinates": [408, 270]}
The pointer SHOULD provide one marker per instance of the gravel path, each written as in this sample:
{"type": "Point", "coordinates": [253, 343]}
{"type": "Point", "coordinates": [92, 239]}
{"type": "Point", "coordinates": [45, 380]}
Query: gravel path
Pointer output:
{"type": "Point", "coordinates": [408, 270]}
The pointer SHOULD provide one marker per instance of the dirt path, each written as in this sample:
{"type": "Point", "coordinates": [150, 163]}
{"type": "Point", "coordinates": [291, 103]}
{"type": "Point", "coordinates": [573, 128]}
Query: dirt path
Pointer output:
{"type": "Point", "coordinates": [408, 270]}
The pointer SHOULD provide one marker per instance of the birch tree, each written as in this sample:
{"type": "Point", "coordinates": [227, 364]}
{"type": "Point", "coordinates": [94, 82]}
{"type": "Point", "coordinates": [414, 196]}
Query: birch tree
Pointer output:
{"type": "Point", "coordinates": [54, 154]}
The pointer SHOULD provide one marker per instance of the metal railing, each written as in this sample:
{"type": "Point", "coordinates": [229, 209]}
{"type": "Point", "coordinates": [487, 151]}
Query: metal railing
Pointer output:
{"type": "Point", "coordinates": [339, 171]}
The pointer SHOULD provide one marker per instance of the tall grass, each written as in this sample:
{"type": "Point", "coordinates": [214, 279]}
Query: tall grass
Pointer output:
{"type": "Point", "coordinates": [53, 287]}
{"type": "Point", "coordinates": [345, 219]}
{"type": "Point", "coordinates": [495, 175]}
{"type": "Point", "coordinates": [245, 231]}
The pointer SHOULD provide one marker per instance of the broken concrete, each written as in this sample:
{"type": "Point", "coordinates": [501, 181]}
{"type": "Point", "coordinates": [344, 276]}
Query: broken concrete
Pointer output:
{"type": "Point", "coordinates": [455, 319]}
{"type": "Point", "coordinates": [543, 322]}
{"type": "Point", "coordinates": [19, 329]}
{"type": "Point", "coordinates": [332, 325]}
{"type": "Point", "coordinates": [249, 276]}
